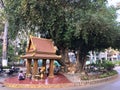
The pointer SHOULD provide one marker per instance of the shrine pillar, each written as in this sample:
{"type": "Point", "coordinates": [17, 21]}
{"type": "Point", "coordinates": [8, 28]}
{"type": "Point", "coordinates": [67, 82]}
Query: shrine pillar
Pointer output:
{"type": "Point", "coordinates": [35, 67]}
{"type": "Point", "coordinates": [28, 64]}
{"type": "Point", "coordinates": [51, 69]}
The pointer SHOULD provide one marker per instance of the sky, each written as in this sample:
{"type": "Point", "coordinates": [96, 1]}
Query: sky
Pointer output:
{"type": "Point", "coordinates": [114, 3]}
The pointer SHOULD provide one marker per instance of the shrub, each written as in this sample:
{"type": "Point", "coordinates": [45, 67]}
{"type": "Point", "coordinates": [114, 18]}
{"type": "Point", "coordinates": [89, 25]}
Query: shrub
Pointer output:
{"type": "Point", "coordinates": [117, 63]}
{"type": "Point", "coordinates": [103, 75]}
{"type": "Point", "coordinates": [6, 67]}
{"type": "Point", "coordinates": [107, 74]}
{"type": "Point", "coordinates": [84, 78]}
{"type": "Point", "coordinates": [113, 72]}
{"type": "Point", "coordinates": [108, 65]}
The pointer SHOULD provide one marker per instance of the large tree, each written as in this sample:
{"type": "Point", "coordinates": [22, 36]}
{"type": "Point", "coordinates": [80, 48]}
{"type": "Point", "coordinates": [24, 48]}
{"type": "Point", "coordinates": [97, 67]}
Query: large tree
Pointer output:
{"type": "Point", "coordinates": [80, 24]}
{"type": "Point", "coordinates": [40, 17]}
{"type": "Point", "coordinates": [95, 27]}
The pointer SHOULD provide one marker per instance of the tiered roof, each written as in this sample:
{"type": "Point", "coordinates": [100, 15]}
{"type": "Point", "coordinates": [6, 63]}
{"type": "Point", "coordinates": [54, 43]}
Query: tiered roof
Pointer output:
{"type": "Point", "coordinates": [41, 48]}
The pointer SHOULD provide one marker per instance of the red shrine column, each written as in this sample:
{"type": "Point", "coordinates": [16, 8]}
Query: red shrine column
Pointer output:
{"type": "Point", "coordinates": [51, 69]}
{"type": "Point", "coordinates": [35, 67]}
{"type": "Point", "coordinates": [28, 64]}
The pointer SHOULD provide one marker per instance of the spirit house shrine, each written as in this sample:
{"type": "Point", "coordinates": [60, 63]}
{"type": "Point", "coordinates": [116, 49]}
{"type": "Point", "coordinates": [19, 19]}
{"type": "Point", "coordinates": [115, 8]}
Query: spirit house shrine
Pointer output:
{"type": "Point", "coordinates": [40, 48]}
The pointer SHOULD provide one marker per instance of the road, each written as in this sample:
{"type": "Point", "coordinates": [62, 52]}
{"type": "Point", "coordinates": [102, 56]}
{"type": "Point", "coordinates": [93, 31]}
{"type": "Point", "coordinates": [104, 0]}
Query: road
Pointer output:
{"type": "Point", "coordinates": [112, 85]}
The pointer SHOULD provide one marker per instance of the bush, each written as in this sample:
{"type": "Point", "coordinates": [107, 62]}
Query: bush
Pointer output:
{"type": "Point", "coordinates": [107, 74]}
{"type": "Point", "coordinates": [113, 72]}
{"type": "Point", "coordinates": [103, 75]}
{"type": "Point", "coordinates": [108, 65]}
{"type": "Point", "coordinates": [84, 78]}
{"type": "Point", "coordinates": [6, 67]}
{"type": "Point", "coordinates": [117, 63]}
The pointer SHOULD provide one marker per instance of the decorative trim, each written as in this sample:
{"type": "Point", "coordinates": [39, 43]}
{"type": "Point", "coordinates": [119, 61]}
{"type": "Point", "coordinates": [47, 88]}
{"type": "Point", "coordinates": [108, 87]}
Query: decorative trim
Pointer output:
{"type": "Point", "coordinates": [38, 85]}
{"type": "Point", "coordinates": [39, 52]}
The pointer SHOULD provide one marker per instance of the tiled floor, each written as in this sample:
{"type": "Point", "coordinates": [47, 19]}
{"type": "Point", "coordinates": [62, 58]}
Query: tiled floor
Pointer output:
{"type": "Point", "coordinates": [58, 79]}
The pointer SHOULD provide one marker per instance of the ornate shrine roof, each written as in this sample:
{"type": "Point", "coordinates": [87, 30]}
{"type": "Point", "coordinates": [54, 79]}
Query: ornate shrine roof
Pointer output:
{"type": "Point", "coordinates": [41, 48]}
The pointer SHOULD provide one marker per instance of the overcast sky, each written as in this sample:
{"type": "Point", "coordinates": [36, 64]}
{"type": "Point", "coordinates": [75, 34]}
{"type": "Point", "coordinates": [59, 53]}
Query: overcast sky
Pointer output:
{"type": "Point", "coordinates": [114, 2]}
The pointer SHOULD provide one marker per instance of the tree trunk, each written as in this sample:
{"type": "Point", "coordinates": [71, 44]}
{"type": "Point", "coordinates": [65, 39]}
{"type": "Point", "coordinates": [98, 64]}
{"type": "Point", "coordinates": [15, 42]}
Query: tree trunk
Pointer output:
{"type": "Point", "coordinates": [78, 61]}
{"type": "Point", "coordinates": [64, 53]}
{"type": "Point", "coordinates": [66, 56]}
{"type": "Point", "coordinates": [81, 60]}
{"type": "Point", "coordinates": [65, 59]}
{"type": "Point", "coordinates": [4, 49]}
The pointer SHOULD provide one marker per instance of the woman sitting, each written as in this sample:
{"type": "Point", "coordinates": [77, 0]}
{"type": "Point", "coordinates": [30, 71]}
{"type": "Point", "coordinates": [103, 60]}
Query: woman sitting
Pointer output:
{"type": "Point", "coordinates": [21, 76]}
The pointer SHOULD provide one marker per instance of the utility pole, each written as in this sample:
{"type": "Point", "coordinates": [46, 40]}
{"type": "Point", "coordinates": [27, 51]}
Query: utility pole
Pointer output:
{"type": "Point", "coordinates": [4, 48]}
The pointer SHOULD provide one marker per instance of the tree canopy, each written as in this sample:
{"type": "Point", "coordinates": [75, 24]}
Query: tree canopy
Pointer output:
{"type": "Point", "coordinates": [83, 25]}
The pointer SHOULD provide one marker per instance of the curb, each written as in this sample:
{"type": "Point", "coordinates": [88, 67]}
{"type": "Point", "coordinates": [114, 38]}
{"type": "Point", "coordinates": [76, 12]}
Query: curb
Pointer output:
{"type": "Point", "coordinates": [38, 85]}
{"type": "Point", "coordinates": [96, 81]}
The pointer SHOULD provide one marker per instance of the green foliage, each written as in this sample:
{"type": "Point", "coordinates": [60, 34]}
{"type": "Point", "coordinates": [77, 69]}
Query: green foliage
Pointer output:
{"type": "Point", "coordinates": [117, 63]}
{"type": "Point", "coordinates": [117, 41]}
{"type": "Point", "coordinates": [0, 50]}
{"type": "Point", "coordinates": [93, 29]}
{"type": "Point", "coordinates": [2, 19]}
{"type": "Point", "coordinates": [83, 25]}
{"type": "Point", "coordinates": [11, 54]}
{"type": "Point", "coordinates": [107, 74]}
{"type": "Point", "coordinates": [108, 65]}
{"type": "Point", "coordinates": [6, 67]}
{"type": "Point", "coordinates": [22, 48]}
{"type": "Point", "coordinates": [89, 24]}
{"type": "Point", "coordinates": [84, 78]}
{"type": "Point", "coordinates": [103, 66]}
{"type": "Point", "coordinates": [103, 75]}
{"type": "Point", "coordinates": [47, 18]}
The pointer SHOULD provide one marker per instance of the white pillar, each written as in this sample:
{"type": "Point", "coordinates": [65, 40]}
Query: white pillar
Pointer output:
{"type": "Point", "coordinates": [91, 57]}
{"type": "Point", "coordinates": [4, 48]}
{"type": "Point", "coordinates": [4, 62]}
{"type": "Point", "coordinates": [105, 55]}
{"type": "Point", "coordinates": [95, 58]}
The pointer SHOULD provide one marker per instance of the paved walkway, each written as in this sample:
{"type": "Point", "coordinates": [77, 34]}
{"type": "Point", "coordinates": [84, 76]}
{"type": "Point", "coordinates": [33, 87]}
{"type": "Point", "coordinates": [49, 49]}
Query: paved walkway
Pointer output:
{"type": "Point", "coordinates": [112, 85]}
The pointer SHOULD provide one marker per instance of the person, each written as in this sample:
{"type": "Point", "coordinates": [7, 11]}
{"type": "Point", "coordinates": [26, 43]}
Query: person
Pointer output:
{"type": "Point", "coordinates": [21, 76]}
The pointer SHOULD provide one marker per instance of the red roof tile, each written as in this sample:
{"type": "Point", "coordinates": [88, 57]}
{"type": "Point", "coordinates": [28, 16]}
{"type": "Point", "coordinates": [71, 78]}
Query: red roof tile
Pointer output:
{"type": "Point", "coordinates": [41, 48]}
{"type": "Point", "coordinates": [43, 45]}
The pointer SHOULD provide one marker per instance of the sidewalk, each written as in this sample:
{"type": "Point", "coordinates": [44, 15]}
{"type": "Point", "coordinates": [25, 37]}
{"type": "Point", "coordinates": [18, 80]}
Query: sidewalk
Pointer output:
{"type": "Point", "coordinates": [73, 77]}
